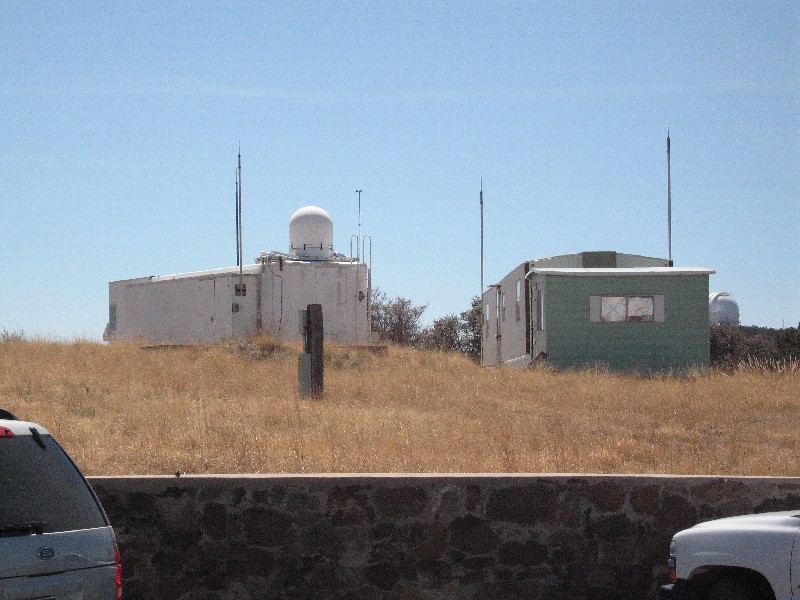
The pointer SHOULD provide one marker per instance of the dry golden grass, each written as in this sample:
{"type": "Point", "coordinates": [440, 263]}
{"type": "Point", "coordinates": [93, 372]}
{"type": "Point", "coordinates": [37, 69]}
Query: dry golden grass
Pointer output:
{"type": "Point", "coordinates": [120, 409]}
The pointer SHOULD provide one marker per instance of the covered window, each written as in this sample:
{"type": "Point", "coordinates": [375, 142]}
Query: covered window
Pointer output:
{"type": "Point", "coordinates": [640, 308]}
{"type": "Point", "coordinates": [621, 309]}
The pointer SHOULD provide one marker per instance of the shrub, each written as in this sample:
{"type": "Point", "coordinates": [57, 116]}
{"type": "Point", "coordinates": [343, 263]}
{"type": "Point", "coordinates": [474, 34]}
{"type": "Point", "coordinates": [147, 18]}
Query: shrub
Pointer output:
{"type": "Point", "coordinates": [11, 336]}
{"type": "Point", "coordinates": [732, 346]}
{"type": "Point", "coordinates": [397, 320]}
{"type": "Point", "coordinates": [788, 343]}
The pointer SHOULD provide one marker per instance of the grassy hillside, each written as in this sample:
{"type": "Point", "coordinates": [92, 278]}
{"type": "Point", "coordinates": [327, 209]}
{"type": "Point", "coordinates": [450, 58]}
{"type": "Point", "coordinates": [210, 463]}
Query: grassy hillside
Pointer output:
{"type": "Point", "coordinates": [120, 409]}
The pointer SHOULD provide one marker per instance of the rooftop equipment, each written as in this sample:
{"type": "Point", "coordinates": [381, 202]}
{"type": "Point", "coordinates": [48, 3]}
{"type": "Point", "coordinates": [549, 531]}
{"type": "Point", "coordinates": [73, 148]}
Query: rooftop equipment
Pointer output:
{"type": "Point", "coordinates": [311, 234]}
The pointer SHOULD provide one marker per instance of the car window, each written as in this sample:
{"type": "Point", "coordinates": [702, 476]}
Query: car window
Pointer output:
{"type": "Point", "coordinates": [41, 490]}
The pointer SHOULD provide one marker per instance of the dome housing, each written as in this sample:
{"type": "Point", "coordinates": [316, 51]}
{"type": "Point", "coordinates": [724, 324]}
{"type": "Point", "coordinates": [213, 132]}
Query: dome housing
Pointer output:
{"type": "Point", "coordinates": [311, 234]}
{"type": "Point", "coordinates": [722, 308]}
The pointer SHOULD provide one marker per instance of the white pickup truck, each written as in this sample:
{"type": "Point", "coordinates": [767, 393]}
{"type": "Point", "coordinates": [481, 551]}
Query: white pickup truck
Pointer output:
{"type": "Point", "coordinates": [751, 557]}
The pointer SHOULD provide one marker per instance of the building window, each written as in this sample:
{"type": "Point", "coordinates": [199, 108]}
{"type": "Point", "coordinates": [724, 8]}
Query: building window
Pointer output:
{"type": "Point", "coordinates": [504, 307]}
{"type": "Point", "coordinates": [622, 309]}
{"type": "Point", "coordinates": [112, 317]}
{"type": "Point", "coordinates": [488, 312]}
{"type": "Point", "coordinates": [519, 297]}
{"type": "Point", "coordinates": [240, 289]}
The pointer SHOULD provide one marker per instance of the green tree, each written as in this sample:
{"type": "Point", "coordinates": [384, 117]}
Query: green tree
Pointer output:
{"type": "Point", "coordinates": [444, 334]}
{"type": "Point", "coordinates": [396, 319]}
{"type": "Point", "coordinates": [788, 343]}
{"type": "Point", "coordinates": [471, 323]}
{"type": "Point", "coordinates": [460, 333]}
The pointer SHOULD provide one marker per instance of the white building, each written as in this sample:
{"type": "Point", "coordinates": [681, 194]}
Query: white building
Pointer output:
{"type": "Point", "coordinates": [219, 304]}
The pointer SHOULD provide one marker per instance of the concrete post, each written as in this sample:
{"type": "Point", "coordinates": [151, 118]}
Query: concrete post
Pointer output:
{"type": "Point", "coordinates": [315, 341]}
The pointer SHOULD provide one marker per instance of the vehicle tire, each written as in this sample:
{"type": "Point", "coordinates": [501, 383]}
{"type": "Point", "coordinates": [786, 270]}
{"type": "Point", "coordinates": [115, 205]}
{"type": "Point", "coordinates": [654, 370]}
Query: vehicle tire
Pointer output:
{"type": "Point", "coordinates": [730, 588]}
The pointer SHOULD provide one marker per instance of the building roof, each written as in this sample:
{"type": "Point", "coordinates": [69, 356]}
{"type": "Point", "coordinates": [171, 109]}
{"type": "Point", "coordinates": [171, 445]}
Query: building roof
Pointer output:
{"type": "Point", "coordinates": [628, 272]}
{"type": "Point", "coordinates": [248, 269]}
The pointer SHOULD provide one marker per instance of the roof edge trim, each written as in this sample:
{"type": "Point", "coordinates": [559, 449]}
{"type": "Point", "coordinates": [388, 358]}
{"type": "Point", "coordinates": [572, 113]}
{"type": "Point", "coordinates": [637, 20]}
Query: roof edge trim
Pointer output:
{"type": "Point", "coordinates": [632, 271]}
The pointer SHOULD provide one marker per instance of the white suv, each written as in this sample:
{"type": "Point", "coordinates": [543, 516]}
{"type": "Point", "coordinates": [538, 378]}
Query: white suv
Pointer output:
{"type": "Point", "coordinates": [55, 539]}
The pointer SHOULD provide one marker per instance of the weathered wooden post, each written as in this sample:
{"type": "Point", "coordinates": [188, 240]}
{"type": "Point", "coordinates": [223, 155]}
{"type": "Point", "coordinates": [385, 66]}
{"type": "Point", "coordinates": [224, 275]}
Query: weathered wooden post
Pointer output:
{"type": "Point", "coordinates": [311, 364]}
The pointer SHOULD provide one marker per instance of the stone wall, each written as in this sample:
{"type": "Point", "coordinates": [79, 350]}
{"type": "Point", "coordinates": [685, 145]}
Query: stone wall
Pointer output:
{"type": "Point", "coordinates": [414, 537]}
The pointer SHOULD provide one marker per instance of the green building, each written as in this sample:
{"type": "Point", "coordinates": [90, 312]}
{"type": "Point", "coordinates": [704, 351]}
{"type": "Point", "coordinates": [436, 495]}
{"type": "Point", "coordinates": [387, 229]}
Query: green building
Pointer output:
{"type": "Point", "coordinates": [629, 312]}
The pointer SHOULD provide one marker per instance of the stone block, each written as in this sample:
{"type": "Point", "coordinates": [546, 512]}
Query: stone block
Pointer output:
{"type": "Point", "coordinates": [644, 499]}
{"type": "Point", "coordinates": [607, 496]}
{"type": "Point", "coordinates": [524, 504]}
{"type": "Point", "coordinates": [472, 535]}
{"type": "Point", "coordinates": [400, 503]}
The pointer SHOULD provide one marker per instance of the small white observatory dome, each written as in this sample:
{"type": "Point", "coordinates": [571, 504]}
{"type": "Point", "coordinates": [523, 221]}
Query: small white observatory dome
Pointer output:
{"type": "Point", "coordinates": [311, 234]}
{"type": "Point", "coordinates": [722, 308]}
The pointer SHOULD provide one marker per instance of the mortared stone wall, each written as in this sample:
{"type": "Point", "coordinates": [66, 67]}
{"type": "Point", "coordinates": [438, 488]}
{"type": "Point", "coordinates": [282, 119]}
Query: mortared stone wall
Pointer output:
{"type": "Point", "coordinates": [414, 537]}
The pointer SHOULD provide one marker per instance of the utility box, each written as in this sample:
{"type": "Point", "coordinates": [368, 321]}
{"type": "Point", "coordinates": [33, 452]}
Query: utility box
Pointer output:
{"type": "Point", "coordinates": [304, 373]}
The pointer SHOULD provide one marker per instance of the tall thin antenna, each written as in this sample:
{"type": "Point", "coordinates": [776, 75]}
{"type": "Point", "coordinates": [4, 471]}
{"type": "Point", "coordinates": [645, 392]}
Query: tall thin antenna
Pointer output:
{"type": "Point", "coordinates": [480, 296]}
{"type": "Point", "coordinates": [239, 261]}
{"type": "Point", "coordinates": [358, 242]}
{"type": "Point", "coordinates": [669, 201]}
{"type": "Point", "coordinates": [236, 210]}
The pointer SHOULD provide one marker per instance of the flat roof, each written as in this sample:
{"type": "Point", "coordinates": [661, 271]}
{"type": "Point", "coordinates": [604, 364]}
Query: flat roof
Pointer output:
{"type": "Point", "coordinates": [631, 271]}
{"type": "Point", "coordinates": [248, 269]}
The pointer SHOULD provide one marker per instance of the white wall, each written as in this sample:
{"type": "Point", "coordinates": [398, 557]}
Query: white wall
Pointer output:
{"type": "Point", "coordinates": [334, 285]}
{"type": "Point", "coordinates": [505, 331]}
{"type": "Point", "coordinates": [199, 308]}
{"type": "Point", "coordinates": [180, 311]}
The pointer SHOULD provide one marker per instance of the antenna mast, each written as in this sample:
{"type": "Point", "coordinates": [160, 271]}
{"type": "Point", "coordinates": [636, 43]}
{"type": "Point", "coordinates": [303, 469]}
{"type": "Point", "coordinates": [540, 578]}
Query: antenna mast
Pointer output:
{"type": "Point", "coordinates": [480, 296]}
{"type": "Point", "coordinates": [239, 262]}
{"type": "Point", "coordinates": [358, 241]}
{"type": "Point", "coordinates": [236, 212]}
{"type": "Point", "coordinates": [669, 201]}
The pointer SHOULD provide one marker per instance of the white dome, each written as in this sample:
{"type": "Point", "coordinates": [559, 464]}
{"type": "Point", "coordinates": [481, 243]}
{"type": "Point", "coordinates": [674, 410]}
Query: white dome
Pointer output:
{"type": "Point", "coordinates": [311, 234]}
{"type": "Point", "coordinates": [722, 308]}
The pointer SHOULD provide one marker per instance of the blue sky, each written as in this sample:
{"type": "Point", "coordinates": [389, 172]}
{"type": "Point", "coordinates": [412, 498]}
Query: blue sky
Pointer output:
{"type": "Point", "coordinates": [120, 123]}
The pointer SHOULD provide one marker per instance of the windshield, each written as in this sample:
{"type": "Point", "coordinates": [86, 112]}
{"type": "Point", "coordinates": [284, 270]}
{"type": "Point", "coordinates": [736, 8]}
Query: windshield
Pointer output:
{"type": "Point", "coordinates": [41, 490]}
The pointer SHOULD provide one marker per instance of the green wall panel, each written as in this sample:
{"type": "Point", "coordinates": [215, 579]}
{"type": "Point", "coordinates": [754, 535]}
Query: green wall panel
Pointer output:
{"type": "Point", "coordinates": [681, 342]}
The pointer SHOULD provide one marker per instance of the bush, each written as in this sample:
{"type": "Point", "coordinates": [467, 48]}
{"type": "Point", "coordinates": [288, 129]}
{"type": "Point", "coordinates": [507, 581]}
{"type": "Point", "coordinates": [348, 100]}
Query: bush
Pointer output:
{"type": "Point", "coordinates": [443, 334]}
{"type": "Point", "coordinates": [788, 343]}
{"type": "Point", "coordinates": [11, 336]}
{"type": "Point", "coordinates": [732, 346]}
{"type": "Point", "coordinates": [460, 333]}
{"type": "Point", "coordinates": [397, 320]}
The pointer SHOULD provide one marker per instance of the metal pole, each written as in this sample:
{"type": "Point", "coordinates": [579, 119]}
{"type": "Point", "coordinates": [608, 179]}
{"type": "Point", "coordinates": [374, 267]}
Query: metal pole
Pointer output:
{"type": "Point", "coordinates": [358, 243]}
{"type": "Point", "coordinates": [236, 209]}
{"type": "Point", "coordinates": [669, 201]}
{"type": "Point", "coordinates": [480, 296]}
{"type": "Point", "coordinates": [239, 213]}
